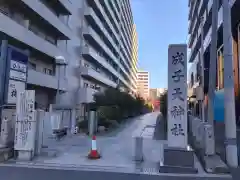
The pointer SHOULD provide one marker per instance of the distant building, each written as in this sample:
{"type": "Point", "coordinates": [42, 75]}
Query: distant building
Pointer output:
{"type": "Point", "coordinates": [143, 83]}
{"type": "Point", "coordinates": [160, 91]}
{"type": "Point", "coordinates": [153, 94]}
{"type": "Point", "coordinates": [134, 59]}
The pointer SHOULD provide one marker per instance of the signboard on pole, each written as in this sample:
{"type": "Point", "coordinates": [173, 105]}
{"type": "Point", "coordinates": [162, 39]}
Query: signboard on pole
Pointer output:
{"type": "Point", "coordinates": [25, 126]}
{"type": "Point", "coordinates": [16, 74]}
{"type": "Point", "coordinates": [13, 88]}
{"type": "Point", "coordinates": [177, 96]}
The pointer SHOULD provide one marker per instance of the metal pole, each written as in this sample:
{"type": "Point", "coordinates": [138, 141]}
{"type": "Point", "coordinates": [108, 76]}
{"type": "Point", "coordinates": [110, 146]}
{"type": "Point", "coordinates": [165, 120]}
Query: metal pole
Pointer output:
{"type": "Point", "coordinates": [202, 69]}
{"type": "Point", "coordinates": [4, 44]}
{"type": "Point", "coordinates": [58, 84]}
{"type": "Point", "coordinates": [229, 99]}
{"type": "Point", "coordinates": [213, 67]}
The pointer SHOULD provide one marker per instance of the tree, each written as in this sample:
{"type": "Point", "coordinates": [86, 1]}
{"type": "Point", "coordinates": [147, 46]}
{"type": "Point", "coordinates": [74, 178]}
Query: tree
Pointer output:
{"type": "Point", "coordinates": [118, 104]}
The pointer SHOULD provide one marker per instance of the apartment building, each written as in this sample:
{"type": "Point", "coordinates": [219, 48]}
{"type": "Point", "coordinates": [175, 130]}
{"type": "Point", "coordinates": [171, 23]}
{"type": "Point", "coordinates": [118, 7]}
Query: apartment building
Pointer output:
{"type": "Point", "coordinates": [143, 84]}
{"type": "Point", "coordinates": [107, 47]}
{"type": "Point", "coordinates": [46, 32]}
{"type": "Point", "coordinates": [153, 94]}
{"type": "Point", "coordinates": [202, 9]}
{"type": "Point", "coordinates": [71, 48]}
{"type": "Point", "coordinates": [134, 58]}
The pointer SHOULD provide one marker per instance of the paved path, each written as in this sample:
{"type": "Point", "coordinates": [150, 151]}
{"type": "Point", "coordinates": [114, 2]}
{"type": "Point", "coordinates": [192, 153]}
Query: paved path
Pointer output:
{"type": "Point", "coordinates": [116, 151]}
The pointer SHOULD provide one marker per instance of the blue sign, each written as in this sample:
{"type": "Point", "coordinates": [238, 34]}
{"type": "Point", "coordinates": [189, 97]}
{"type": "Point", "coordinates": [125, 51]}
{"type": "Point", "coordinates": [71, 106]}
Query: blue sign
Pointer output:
{"type": "Point", "coordinates": [219, 106]}
{"type": "Point", "coordinates": [16, 73]}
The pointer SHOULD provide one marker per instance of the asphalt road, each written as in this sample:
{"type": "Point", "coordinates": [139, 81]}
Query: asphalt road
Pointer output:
{"type": "Point", "coordinates": [24, 173]}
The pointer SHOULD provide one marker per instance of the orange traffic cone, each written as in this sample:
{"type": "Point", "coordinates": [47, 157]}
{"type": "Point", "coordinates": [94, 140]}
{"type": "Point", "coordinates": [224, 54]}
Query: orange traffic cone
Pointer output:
{"type": "Point", "coordinates": [94, 152]}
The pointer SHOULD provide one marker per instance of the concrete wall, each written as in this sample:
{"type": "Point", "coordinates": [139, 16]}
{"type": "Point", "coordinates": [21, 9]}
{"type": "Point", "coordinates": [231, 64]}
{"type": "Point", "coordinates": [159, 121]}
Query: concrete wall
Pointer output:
{"type": "Point", "coordinates": [73, 57]}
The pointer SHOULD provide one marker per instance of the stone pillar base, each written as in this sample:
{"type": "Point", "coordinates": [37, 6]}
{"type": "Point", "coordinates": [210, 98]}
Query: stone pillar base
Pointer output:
{"type": "Point", "coordinates": [138, 149]}
{"type": "Point", "coordinates": [5, 154]}
{"type": "Point", "coordinates": [176, 160]}
{"type": "Point", "coordinates": [25, 155]}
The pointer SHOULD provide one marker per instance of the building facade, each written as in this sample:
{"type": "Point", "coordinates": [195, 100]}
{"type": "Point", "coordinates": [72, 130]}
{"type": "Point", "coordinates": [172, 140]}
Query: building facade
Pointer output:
{"type": "Point", "coordinates": [143, 84]}
{"type": "Point", "coordinates": [202, 10]}
{"type": "Point", "coordinates": [153, 94]}
{"type": "Point", "coordinates": [75, 48]}
{"type": "Point", "coordinates": [134, 58]}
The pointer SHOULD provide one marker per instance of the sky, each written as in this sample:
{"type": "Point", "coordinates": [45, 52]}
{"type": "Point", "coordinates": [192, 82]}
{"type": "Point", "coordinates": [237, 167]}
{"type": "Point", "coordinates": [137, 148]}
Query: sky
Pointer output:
{"type": "Point", "coordinates": [159, 23]}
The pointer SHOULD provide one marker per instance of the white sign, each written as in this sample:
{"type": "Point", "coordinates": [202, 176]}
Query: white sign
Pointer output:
{"type": "Point", "coordinates": [18, 66]}
{"type": "Point", "coordinates": [177, 96]}
{"type": "Point", "coordinates": [25, 127]}
{"type": "Point", "coordinates": [17, 75]}
{"type": "Point", "coordinates": [56, 121]}
{"type": "Point", "coordinates": [14, 87]}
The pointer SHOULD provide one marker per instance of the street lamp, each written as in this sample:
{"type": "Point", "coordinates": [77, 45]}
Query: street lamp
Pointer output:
{"type": "Point", "coordinates": [60, 61]}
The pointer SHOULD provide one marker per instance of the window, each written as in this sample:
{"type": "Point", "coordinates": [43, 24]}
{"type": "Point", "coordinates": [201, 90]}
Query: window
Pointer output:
{"type": "Point", "coordinates": [92, 86]}
{"type": "Point", "coordinates": [85, 85]}
{"type": "Point", "coordinates": [47, 71]}
{"type": "Point", "coordinates": [86, 65]}
{"type": "Point", "coordinates": [32, 65]}
{"type": "Point", "coordinates": [220, 70]}
{"type": "Point", "coordinates": [198, 74]}
{"type": "Point", "coordinates": [98, 70]}
{"type": "Point", "coordinates": [97, 88]}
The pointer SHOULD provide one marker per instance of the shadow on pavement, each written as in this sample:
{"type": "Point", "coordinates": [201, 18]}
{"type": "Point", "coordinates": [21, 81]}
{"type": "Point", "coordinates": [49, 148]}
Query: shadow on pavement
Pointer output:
{"type": "Point", "coordinates": [160, 132]}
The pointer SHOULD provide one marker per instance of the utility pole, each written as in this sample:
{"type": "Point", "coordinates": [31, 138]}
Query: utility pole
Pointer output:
{"type": "Point", "coordinates": [229, 98]}
{"type": "Point", "coordinates": [213, 67]}
{"type": "Point", "coordinates": [202, 68]}
{"type": "Point", "coordinates": [3, 56]}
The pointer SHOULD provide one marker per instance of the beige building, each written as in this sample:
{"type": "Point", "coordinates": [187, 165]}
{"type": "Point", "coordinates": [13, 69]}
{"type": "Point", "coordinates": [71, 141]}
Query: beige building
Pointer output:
{"type": "Point", "coordinates": [134, 59]}
{"type": "Point", "coordinates": [155, 93]}
{"type": "Point", "coordinates": [143, 83]}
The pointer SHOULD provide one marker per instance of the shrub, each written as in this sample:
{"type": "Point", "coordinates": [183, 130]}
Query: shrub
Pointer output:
{"type": "Point", "coordinates": [114, 104]}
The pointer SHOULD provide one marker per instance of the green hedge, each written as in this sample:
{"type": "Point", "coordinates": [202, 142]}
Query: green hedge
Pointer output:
{"type": "Point", "coordinates": [113, 104]}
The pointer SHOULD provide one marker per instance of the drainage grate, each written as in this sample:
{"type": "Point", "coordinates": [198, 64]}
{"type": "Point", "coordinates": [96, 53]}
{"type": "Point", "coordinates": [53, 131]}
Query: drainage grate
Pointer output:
{"type": "Point", "coordinates": [150, 171]}
{"type": "Point", "coordinates": [148, 168]}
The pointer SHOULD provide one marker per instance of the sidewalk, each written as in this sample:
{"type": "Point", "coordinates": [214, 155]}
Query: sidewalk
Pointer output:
{"type": "Point", "coordinates": [116, 151]}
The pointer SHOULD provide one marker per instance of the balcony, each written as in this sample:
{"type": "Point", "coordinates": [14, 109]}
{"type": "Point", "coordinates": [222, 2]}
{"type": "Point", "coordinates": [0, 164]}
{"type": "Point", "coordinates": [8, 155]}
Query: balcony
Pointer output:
{"type": "Point", "coordinates": [89, 32]}
{"type": "Point", "coordinates": [9, 26]}
{"type": "Point", "coordinates": [45, 80]}
{"type": "Point", "coordinates": [207, 39]}
{"type": "Point", "coordinates": [106, 2]}
{"type": "Point", "coordinates": [66, 6]}
{"type": "Point", "coordinates": [85, 95]}
{"type": "Point", "coordinates": [92, 17]}
{"type": "Point", "coordinates": [97, 76]}
{"type": "Point", "coordinates": [89, 52]}
{"type": "Point", "coordinates": [105, 17]}
{"type": "Point", "coordinates": [49, 17]}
